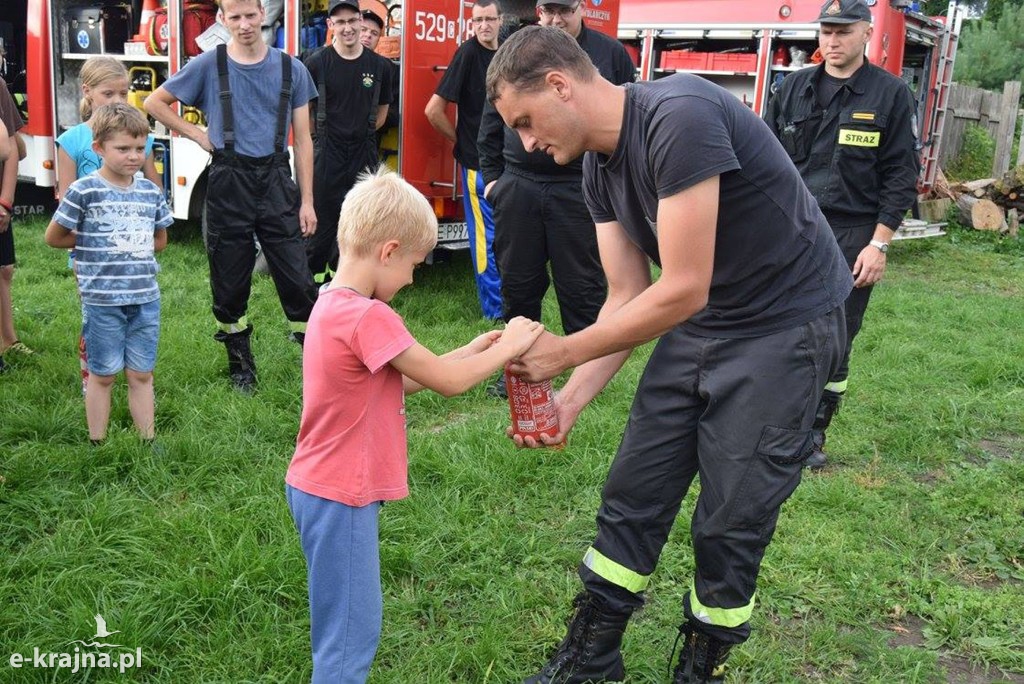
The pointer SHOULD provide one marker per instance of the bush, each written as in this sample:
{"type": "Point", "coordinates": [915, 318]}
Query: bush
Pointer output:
{"type": "Point", "coordinates": [975, 158]}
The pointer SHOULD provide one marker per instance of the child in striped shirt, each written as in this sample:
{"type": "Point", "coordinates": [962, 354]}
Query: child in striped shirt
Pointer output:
{"type": "Point", "coordinates": [116, 222]}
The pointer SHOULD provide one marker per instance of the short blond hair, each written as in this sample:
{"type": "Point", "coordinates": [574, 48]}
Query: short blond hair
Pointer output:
{"type": "Point", "coordinates": [111, 119]}
{"type": "Point", "coordinates": [381, 206]}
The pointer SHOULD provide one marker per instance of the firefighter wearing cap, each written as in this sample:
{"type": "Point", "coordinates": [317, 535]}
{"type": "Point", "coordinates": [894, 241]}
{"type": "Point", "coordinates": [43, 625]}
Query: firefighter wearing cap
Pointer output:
{"type": "Point", "coordinates": [369, 36]}
{"type": "Point", "coordinates": [354, 87]}
{"type": "Point", "coordinates": [540, 214]}
{"type": "Point", "coordinates": [251, 95]}
{"type": "Point", "coordinates": [463, 85]}
{"type": "Point", "coordinates": [850, 128]}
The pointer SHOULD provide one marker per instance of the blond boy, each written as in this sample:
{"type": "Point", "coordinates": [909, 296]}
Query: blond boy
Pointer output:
{"type": "Point", "coordinates": [358, 364]}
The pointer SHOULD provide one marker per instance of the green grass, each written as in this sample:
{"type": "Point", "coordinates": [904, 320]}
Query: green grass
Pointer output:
{"type": "Point", "coordinates": [904, 562]}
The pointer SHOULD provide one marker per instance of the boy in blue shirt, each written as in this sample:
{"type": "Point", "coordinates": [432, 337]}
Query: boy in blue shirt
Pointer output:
{"type": "Point", "coordinates": [116, 222]}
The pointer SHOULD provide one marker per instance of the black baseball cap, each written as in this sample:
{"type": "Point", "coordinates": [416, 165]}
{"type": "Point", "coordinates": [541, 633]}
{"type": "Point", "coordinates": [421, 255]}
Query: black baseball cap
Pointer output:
{"type": "Point", "coordinates": [374, 17]}
{"type": "Point", "coordinates": [844, 12]}
{"type": "Point", "coordinates": [335, 4]}
{"type": "Point", "coordinates": [567, 3]}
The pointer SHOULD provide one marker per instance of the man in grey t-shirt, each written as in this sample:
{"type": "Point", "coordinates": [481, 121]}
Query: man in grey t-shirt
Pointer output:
{"type": "Point", "coordinates": [249, 107]}
{"type": "Point", "coordinates": [748, 310]}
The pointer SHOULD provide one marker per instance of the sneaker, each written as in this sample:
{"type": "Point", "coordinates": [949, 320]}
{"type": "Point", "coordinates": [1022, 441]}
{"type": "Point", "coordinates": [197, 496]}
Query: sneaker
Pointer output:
{"type": "Point", "coordinates": [298, 338]}
{"type": "Point", "coordinates": [498, 389]}
{"type": "Point", "coordinates": [19, 348]}
{"type": "Point", "coordinates": [156, 448]}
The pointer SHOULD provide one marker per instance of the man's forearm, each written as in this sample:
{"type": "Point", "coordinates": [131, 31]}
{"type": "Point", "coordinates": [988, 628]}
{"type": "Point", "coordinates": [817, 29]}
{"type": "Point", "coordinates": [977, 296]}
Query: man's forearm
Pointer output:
{"type": "Point", "coordinates": [304, 168]}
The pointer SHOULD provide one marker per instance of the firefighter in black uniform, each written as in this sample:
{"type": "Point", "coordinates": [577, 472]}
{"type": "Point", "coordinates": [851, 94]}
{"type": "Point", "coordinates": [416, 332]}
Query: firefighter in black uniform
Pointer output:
{"type": "Point", "coordinates": [250, 190]}
{"type": "Point", "coordinates": [353, 91]}
{"type": "Point", "coordinates": [539, 212]}
{"type": "Point", "coordinates": [850, 128]}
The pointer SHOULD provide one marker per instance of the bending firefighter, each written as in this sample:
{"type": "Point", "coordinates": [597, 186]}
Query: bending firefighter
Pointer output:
{"type": "Point", "coordinates": [748, 312]}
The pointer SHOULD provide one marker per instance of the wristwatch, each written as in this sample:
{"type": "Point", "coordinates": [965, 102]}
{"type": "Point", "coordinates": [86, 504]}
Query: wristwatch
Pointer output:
{"type": "Point", "coordinates": [882, 247]}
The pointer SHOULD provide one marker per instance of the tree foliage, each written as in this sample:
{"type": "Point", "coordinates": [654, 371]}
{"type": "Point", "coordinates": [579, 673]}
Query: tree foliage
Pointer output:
{"type": "Point", "coordinates": [992, 51]}
{"type": "Point", "coordinates": [935, 8]}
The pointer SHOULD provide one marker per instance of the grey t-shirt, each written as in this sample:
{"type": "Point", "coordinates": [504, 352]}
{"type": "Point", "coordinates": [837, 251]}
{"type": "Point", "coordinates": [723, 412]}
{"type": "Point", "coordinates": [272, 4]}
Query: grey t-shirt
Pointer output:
{"type": "Point", "coordinates": [776, 263]}
{"type": "Point", "coordinates": [255, 94]}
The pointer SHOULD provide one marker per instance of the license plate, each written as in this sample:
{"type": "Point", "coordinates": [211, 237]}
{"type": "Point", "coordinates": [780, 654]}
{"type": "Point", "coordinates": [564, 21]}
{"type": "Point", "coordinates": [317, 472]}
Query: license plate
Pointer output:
{"type": "Point", "coordinates": [452, 232]}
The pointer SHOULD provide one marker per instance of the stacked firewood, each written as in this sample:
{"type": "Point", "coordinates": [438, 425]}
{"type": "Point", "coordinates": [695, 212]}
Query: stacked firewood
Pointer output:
{"type": "Point", "coordinates": [990, 203]}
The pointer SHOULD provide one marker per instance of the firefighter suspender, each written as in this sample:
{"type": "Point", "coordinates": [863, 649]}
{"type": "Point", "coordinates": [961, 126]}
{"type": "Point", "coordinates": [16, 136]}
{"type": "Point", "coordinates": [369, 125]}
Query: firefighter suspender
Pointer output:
{"type": "Point", "coordinates": [225, 98]}
{"type": "Point", "coordinates": [321, 93]}
{"type": "Point", "coordinates": [285, 103]}
{"type": "Point", "coordinates": [225, 101]}
{"type": "Point", "coordinates": [373, 100]}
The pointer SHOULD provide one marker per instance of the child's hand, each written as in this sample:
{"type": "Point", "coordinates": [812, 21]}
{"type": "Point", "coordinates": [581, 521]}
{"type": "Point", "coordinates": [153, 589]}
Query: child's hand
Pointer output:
{"type": "Point", "coordinates": [483, 342]}
{"type": "Point", "coordinates": [520, 334]}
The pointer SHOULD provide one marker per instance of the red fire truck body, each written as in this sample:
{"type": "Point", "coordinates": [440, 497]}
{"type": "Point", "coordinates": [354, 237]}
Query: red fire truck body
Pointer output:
{"type": "Point", "coordinates": [748, 46]}
{"type": "Point", "coordinates": [421, 36]}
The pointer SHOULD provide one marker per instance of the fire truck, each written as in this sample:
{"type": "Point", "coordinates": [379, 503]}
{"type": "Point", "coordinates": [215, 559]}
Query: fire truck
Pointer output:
{"type": "Point", "coordinates": [748, 47]}
{"type": "Point", "coordinates": [51, 39]}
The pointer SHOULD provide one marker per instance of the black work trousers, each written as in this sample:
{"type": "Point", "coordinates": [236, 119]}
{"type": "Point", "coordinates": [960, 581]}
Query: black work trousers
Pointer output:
{"type": "Point", "coordinates": [852, 240]}
{"type": "Point", "coordinates": [249, 196]}
{"type": "Point", "coordinates": [738, 412]}
{"type": "Point", "coordinates": [540, 221]}
{"type": "Point", "coordinates": [336, 165]}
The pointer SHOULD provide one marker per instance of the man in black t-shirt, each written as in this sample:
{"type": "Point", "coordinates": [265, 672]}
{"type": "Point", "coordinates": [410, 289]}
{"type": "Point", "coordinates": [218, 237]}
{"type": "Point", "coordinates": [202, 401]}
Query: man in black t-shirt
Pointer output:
{"type": "Point", "coordinates": [748, 309]}
{"type": "Point", "coordinates": [354, 87]}
{"type": "Point", "coordinates": [463, 85]}
{"type": "Point", "coordinates": [373, 27]}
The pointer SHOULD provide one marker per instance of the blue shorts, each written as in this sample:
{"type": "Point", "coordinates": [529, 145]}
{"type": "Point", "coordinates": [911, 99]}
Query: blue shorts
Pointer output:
{"type": "Point", "coordinates": [119, 337]}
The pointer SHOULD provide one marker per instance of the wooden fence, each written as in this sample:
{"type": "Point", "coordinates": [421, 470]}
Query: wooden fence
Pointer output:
{"type": "Point", "coordinates": [996, 112]}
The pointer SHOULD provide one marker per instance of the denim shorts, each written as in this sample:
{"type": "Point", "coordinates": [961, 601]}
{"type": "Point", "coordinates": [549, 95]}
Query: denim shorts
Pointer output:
{"type": "Point", "coordinates": [119, 337]}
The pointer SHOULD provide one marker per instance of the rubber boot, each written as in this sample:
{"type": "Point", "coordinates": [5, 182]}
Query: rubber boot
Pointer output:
{"type": "Point", "coordinates": [827, 407]}
{"type": "Point", "coordinates": [702, 659]}
{"type": "Point", "coordinates": [589, 653]}
{"type": "Point", "coordinates": [241, 365]}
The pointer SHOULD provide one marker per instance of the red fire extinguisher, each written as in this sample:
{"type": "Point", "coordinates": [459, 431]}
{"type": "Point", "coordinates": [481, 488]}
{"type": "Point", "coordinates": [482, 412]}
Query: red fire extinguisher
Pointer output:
{"type": "Point", "coordinates": [781, 56]}
{"type": "Point", "coordinates": [532, 405]}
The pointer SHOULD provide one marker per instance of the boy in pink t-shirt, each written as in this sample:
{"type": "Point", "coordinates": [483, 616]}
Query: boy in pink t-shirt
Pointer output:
{"type": "Point", "coordinates": [358, 363]}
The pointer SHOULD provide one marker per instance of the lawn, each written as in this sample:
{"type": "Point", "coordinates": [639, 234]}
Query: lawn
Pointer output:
{"type": "Point", "coordinates": [902, 562]}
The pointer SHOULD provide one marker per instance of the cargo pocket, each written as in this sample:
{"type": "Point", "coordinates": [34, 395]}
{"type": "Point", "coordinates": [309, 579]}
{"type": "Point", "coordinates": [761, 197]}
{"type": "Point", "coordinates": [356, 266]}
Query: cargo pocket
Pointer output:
{"type": "Point", "coordinates": [784, 447]}
{"type": "Point", "coordinates": [771, 478]}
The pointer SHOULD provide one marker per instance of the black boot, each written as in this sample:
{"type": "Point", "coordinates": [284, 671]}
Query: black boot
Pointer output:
{"type": "Point", "coordinates": [702, 659]}
{"type": "Point", "coordinates": [241, 365]}
{"type": "Point", "coordinates": [590, 651]}
{"type": "Point", "coordinates": [827, 407]}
